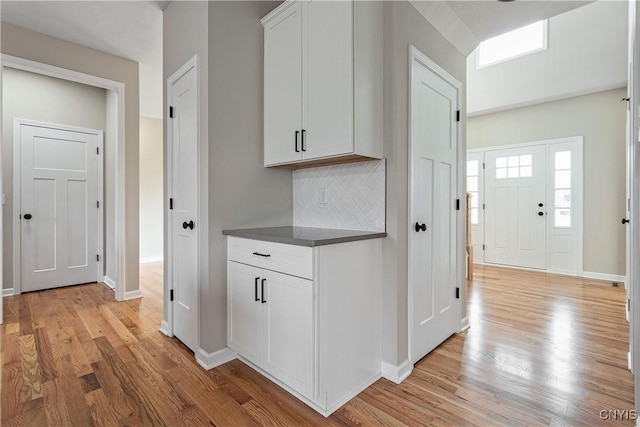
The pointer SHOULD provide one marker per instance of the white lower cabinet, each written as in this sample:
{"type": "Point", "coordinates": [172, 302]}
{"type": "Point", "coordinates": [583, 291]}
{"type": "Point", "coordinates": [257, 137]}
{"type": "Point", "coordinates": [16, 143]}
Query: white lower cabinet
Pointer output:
{"type": "Point", "coordinates": [317, 337]}
{"type": "Point", "coordinates": [262, 305]}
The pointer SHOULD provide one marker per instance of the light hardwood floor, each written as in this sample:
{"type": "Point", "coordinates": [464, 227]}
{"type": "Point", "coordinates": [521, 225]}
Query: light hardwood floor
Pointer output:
{"type": "Point", "coordinates": [541, 350]}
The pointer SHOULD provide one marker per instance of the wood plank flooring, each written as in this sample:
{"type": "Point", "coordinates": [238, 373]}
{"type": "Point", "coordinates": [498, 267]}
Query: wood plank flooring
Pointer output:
{"type": "Point", "coordinates": [541, 350]}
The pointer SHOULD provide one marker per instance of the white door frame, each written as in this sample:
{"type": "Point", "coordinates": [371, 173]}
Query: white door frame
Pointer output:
{"type": "Point", "coordinates": [166, 326]}
{"type": "Point", "coordinates": [463, 323]}
{"type": "Point", "coordinates": [578, 191]}
{"type": "Point", "coordinates": [119, 89]}
{"type": "Point", "coordinates": [17, 202]}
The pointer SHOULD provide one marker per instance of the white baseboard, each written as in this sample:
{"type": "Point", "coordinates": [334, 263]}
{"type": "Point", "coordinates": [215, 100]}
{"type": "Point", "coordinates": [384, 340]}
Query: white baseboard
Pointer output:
{"type": "Point", "coordinates": [7, 292]}
{"type": "Point", "coordinates": [217, 358]}
{"type": "Point", "coordinates": [605, 276]}
{"type": "Point", "coordinates": [396, 374]}
{"type": "Point", "coordinates": [464, 324]}
{"type": "Point", "coordinates": [109, 282]}
{"type": "Point", "coordinates": [132, 295]}
{"type": "Point", "coordinates": [151, 259]}
{"type": "Point", "coordinates": [164, 328]}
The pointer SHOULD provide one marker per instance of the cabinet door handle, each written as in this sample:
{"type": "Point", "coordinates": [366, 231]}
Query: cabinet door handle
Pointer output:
{"type": "Point", "coordinates": [255, 288]}
{"type": "Point", "coordinates": [262, 296]}
{"type": "Point", "coordinates": [297, 134]}
{"type": "Point", "coordinates": [304, 147]}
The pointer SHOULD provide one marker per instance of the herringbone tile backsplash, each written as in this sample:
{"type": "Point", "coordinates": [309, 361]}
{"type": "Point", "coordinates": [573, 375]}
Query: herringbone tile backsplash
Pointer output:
{"type": "Point", "coordinates": [356, 195]}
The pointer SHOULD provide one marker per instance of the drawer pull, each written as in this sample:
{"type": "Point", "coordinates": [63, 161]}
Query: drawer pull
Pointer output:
{"type": "Point", "coordinates": [256, 289]}
{"type": "Point", "coordinates": [262, 296]}
{"type": "Point", "coordinates": [263, 255]}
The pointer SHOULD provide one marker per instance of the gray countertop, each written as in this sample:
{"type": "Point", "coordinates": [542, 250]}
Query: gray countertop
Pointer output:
{"type": "Point", "coordinates": [304, 236]}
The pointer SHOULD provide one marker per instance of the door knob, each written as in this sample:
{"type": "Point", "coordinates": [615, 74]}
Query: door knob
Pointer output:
{"type": "Point", "coordinates": [625, 220]}
{"type": "Point", "coordinates": [540, 205]}
{"type": "Point", "coordinates": [27, 216]}
{"type": "Point", "coordinates": [186, 225]}
{"type": "Point", "coordinates": [540, 213]}
{"type": "Point", "coordinates": [419, 227]}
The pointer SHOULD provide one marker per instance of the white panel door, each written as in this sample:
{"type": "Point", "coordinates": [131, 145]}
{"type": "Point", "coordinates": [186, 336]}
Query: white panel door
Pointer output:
{"type": "Point", "coordinates": [288, 329]}
{"type": "Point", "coordinates": [327, 70]}
{"type": "Point", "coordinates": [433, 247]}
{"type": "Point", "coordinates": [515, 211]}
{"type": "Point", "coordinates": [59, 212]}
{"type": "Point", "coordinates": [244, 303]}
{"type": "Point", "coordinates": [283, 87]}
{"type": "Point", "coordinates": [184, 188]}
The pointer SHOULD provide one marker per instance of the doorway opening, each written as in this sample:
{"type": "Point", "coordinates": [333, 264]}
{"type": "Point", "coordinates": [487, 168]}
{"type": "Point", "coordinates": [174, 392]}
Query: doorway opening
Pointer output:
{"type": "Point", "coordinates": [112, 208]}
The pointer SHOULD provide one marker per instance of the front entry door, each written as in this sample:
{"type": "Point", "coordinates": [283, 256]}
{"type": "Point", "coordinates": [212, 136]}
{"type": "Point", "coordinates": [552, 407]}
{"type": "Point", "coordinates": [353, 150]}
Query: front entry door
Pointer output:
{"type": "Point", "coordinates": [515, 211]}
{"type": "Point", "coordinates": [432, 247]}
{"type": "Point", "coordinates": [58, 202]}
{"type": "Point", "coordinates": [183, 130]}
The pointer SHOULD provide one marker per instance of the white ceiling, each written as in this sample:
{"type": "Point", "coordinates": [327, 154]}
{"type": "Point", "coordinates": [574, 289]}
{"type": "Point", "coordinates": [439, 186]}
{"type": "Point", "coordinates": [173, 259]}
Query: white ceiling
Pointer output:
{"type": "Point", "coordinates": [133, 29]}
{"type": "Point", "coordinates": [130, 29]}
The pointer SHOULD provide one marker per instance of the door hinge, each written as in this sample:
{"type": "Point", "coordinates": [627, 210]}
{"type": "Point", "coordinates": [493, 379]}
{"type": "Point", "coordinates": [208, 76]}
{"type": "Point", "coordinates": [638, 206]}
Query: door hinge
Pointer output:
{"type": "Point", "coordinates": [98, 151]}
{"type": "Point", "coordinates": [171, 112]}
{"type": "Point", "coordinates": [483, 165]}
{"type": "Point", "coordinates": [98, 204]}
{"type": "Point", "coordinates": [171, 295]}
{"type": "Point", "coordinates": [483, 207]}
{"type": "Point", "coordinates": [629, 305]}
{"type": "Point", "coordinates": [457, 204]}
{"type": "Point", "coordinates": [458, 116]}
{"type": "Point", "coordinates": [171, 203]}
{"type": "Point", "coordinates": [98, 258]}
{"type": "Point", "coordinates": [457, 293]}
{"type": "Point", "coordinates": [483, 247]}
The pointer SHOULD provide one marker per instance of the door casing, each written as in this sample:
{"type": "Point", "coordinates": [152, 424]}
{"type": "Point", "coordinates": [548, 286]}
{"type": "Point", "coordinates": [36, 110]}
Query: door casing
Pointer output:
{"type": "Point", "coordinates": [17, 208]}
{"type": "Point", "coordinates": [463, 321]}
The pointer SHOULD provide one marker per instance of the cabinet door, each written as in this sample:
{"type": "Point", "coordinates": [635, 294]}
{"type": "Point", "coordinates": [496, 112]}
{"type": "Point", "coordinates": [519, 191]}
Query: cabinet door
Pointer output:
{"type": "Point", "coordinates": [244, 310]}
{"type": "Point", "coordinates": [327, 78]}
{"type": "Point", "coordinates": [289, 330]}
{"type": "Point", "coordinates": [283, 86]}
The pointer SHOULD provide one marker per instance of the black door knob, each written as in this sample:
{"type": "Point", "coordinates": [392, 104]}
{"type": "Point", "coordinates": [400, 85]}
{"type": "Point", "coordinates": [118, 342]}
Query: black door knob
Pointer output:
{"type": "Point", "coordinates": [419, 227]}
{"type": "Point", "coordinates": [27, 216]}
{"type": "Point", "coordinates": [540, 213]}
{"type": "Point", "coordinates": [540, 205]}
{"type": "Point", "coordinates": [624, 221]}
{"type": "Point", "coordinates": [186, 225]}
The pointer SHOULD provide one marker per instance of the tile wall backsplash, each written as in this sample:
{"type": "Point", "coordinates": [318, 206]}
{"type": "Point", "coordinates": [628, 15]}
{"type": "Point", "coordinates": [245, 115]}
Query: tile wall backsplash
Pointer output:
{"type": "Point", "coordinates": [355, 196]}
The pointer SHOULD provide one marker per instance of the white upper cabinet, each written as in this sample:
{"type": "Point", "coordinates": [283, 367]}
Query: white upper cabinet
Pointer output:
{"type": "Point", "coordinates": [322, 82]}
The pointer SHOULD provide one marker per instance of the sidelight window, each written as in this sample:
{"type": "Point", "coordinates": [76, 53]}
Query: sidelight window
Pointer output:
{"type": "Point", "coordinates": [473, 176]}
{"type": "Point", "coordinates": [562, 189]}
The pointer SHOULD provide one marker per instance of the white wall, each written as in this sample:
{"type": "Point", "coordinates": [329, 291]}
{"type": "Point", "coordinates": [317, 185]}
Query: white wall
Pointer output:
{"type": "Point", "coordinates": [587, 52]}
{"type": "Point", "coordinates": [601, 119]}
{"type": "Point", "coordinates": [151, 189]}
{"type": "Point", "coordinates": [46, 99]}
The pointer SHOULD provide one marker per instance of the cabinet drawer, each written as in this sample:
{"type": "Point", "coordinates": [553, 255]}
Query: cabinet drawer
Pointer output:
{"type": "Point", "coordinates": [288, 259]}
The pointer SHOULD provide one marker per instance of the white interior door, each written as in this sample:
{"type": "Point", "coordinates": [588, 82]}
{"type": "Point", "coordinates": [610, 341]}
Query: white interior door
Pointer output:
{"type": "Point", "coordinates": [59, 212]}
{"type": "Point", "coordinates": [183, 99]}
{"type": "Point", "coordinates": [432, 242]}
{"type": "Point", "coordinates": [515, 207]}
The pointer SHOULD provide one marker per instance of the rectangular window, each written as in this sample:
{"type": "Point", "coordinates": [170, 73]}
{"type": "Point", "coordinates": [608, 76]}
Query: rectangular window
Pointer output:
{"type": "Point", "coordinates": [473, 176]}
{"type": "Point", "coordinates": [514, 166]}
{"type": "Point", "coordinates": [522, 41]}
{"type": "Point", "coordinates": [562, 189]}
